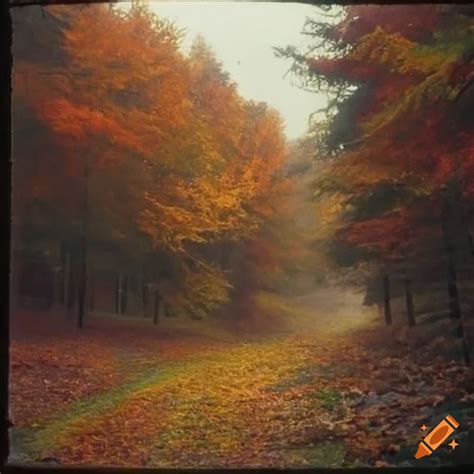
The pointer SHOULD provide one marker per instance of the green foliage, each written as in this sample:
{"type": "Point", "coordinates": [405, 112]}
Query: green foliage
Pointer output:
{"type": "Point", "coordinates": [344, 127]}
{"type": "Point", "coordinates": [329, 399]}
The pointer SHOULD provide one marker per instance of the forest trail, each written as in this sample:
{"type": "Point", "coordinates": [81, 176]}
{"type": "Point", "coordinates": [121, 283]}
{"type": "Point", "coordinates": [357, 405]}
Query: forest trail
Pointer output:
{"type": "Point", "coordinates": [296, 398]}
{"type": "Point", "coordinates": [246, 400]}
{"type": "Point", "coordinates": [150, 188]}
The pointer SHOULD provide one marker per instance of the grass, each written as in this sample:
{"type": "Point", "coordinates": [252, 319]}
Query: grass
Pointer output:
{"type": "Point", "coordinates": [328, 454]}
{"type": "Point", "coordinates": [300, 376]}
{"type": "Point", "coordinates": [329, 399]}
{"type": "Point", "coordinates": [34, 441]}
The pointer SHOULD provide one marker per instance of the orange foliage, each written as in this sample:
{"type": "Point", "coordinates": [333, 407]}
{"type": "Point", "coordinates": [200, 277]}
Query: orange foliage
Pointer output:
{"type": "Point", "coordinates": [123, 99]}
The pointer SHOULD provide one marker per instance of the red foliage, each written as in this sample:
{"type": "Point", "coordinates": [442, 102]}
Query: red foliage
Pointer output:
{"type": "Point", "coordinates": [394, 234]}
{"type": "Point", "coordinates": [415, 22]}
{"type": "Point", "coordinates": [349, 69]}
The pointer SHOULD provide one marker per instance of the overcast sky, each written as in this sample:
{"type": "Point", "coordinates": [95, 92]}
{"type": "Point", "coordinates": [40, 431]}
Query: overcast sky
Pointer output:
{"type": "Point", "coordinates": [242, 35]}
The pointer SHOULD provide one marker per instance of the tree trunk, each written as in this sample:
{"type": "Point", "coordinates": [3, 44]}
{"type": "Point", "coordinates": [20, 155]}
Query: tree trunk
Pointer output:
{"type": "Point", "coordinates": [386, 298]}
{"type": "Point", "coordinates": [66, 277]}
{"type": "Point", "coordinates": [459, 202]}
{"type": "Point", "coordinates": [57, 294]}
{"type": "Point", "coordinates": [145, 294]}
{"type": "Point", "coordinates": [453, 294]}
{"type": "Point", "coordinates": [132, 292]}
{"type": "Point", "coordinates": [91, 291]}
{"type": "Point", "coordinates": [409, 301]}
{"type": "Point", "coordinates": [119, 294]}
{"type": "Point", "coordinates": [82, 290]}
{"type": "Point", "coordinates": [63, 252]}
{"type": "Point", "coordinates": [72, 288]}
{"type": "Point", "coordinates": [124, 294]}
{"type": "Point", "coordinates": [82, 293]}
{"type": "Point", "coordinates": [157, 307]}
{"type": "Point", "coordinates": [14, 281]}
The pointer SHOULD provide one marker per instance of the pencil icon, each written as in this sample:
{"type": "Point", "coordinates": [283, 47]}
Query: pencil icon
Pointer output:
{"type": "Point", "coordinates": [436, 437]}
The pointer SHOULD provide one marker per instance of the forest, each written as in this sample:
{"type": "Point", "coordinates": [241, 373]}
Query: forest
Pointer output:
{"type": "Point", "coordinates": [192, 288]}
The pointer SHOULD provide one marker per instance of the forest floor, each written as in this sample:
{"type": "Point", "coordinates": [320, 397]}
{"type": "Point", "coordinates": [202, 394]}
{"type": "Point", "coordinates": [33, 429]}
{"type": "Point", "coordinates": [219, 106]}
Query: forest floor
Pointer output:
{"type": "Point", "coordinates": [336, 390]}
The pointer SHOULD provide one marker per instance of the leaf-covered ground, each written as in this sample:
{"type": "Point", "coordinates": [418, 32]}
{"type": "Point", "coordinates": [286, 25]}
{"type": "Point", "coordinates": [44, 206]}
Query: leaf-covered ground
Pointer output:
{"type": "Point", "coordinates": [337, 395]}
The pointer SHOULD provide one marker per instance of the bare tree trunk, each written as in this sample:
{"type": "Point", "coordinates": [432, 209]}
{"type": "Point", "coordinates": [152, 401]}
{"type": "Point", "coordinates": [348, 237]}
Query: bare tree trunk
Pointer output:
{"type": "Point", "coordinates": [124, 293]}
{"type": "Point", "coordinates": [82, 293]}
{"type": "Point", "coordinates": [72, 289]}
{"type": "Point", "coordinates": [119, 294]}
{"type": "Point", "coordinates": [157, 307]}
{"type": "Point", "coordinates": [459, 201]}
{"type": "Point", "coordinates": [145, 294]}
{"type": "Point", "coordinates": [453, 294]}
{"type": "Point", "coordinates": [409, 300]}
{"type": "Point", "coordinates": [57, 288]}
{"type": "Point", "coordinates": [82, 290]}
{"type": "Point", "coordinates": [14, 281]}
{"type": "Point", "coordinates": [91, 291]}
{"type": "Point", "coordinates": [386, 298]}
{"type": "Point", "coordinates": [66, 277]}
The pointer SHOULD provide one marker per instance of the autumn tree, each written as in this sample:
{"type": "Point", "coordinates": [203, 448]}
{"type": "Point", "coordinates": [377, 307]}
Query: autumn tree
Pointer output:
{"type": "Point", "coordinates": [232, 150]}
{"type": "Point", "coordinates": [395, 76]}
{"type": "Point", "coordinates": [104, 106]}
{"type": "Point", "coordinates": [160, 162]}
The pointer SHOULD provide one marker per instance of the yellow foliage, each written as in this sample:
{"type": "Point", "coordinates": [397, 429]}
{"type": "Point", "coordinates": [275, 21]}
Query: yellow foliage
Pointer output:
{"type": "Point", "coordinates": [204, 290]}
{"type": "Point", "coordinates": [204, 159]}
